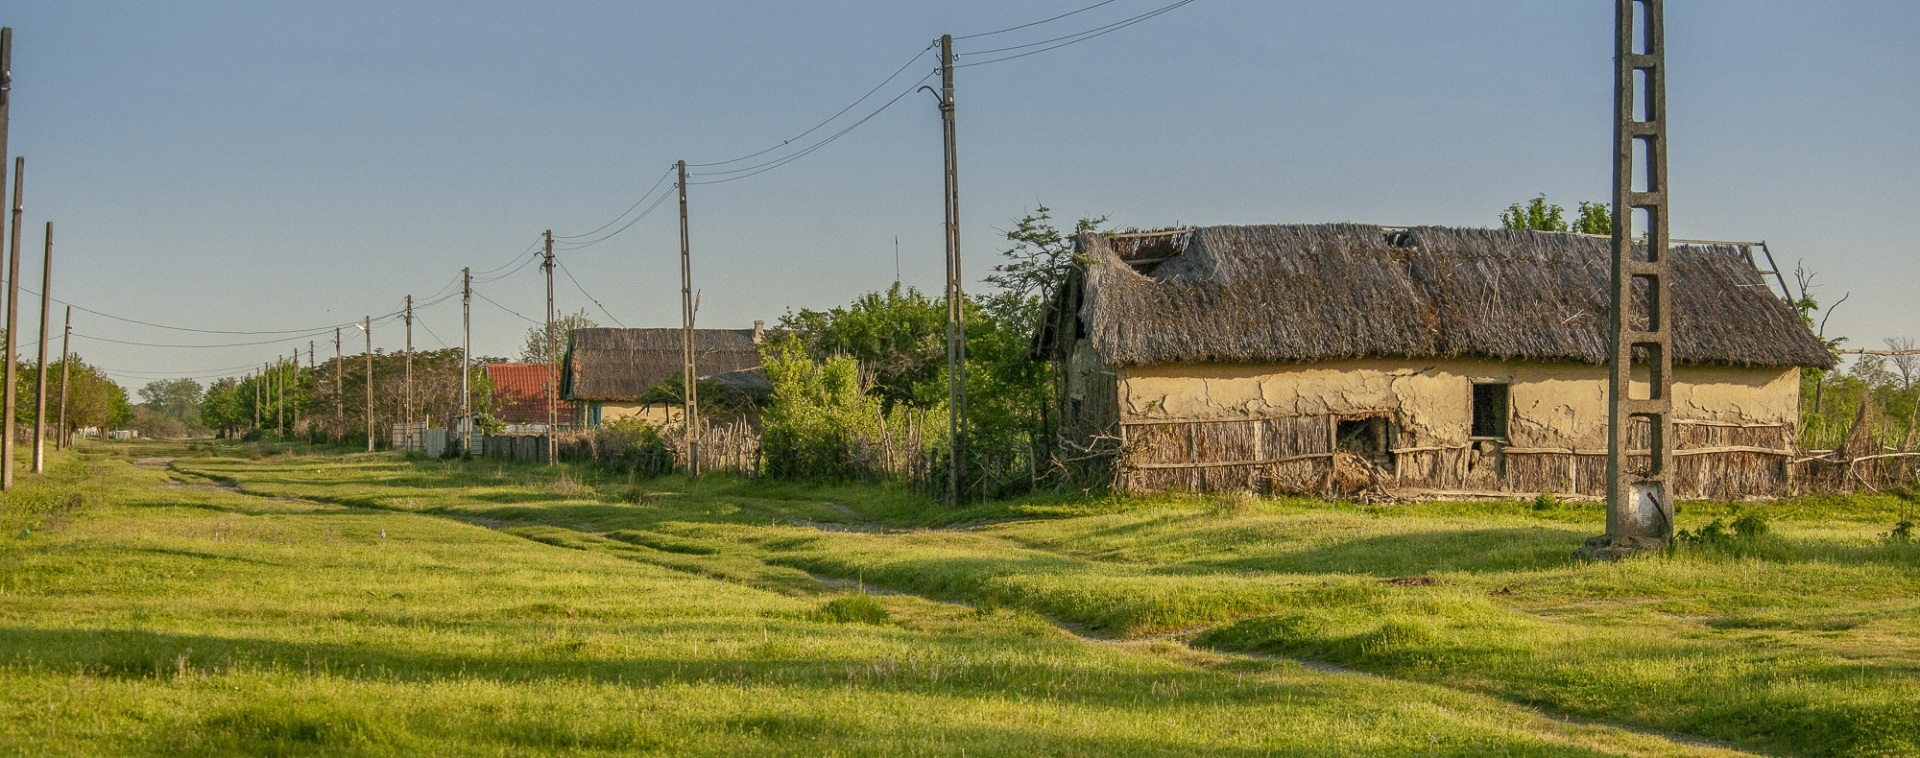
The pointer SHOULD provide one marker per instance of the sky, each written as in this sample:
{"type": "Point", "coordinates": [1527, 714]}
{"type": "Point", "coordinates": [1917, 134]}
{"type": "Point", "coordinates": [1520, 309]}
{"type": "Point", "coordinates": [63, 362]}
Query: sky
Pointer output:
{"type": "Point", "coordinates": [286, 167]}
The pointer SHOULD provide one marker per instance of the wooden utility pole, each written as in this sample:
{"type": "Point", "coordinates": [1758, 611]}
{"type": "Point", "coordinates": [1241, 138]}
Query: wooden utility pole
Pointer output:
{"type": "Point", "coordinates": [40, 387]}
{"type": "Point", "coordinates": [1639, 506]}
{"type": "Point", "coordinates": [956, 295]}
{"type": "Point", "coordinates": [256, 401]}
{"type": "Point", "coordinates": [466, 367]}
{"type": "Point", "coordinates": [550, 343]}
{"type": "Point", "coordinates": [280, 406]}
{"type": "Point", "coordinates": [690, 374]}
{"type": "Point", "coordinates": [339, 390]}
{"type": "Point", "coordinates": [66, 360]}
{"type": "Point", "coordinates": [13, 318]}
{"type": "Point", "coordinates": [409, 374]}
{"type": "Point", "coordinates": [368, 328]}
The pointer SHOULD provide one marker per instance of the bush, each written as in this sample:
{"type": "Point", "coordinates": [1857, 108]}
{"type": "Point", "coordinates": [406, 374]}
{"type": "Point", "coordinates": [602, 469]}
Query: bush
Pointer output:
{"type": "Point", "coordinates": [823, 424]}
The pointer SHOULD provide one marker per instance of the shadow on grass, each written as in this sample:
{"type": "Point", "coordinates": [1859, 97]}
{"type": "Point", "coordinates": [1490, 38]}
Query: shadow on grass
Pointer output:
{"type": "Point", "coordinates": [1392, 555]}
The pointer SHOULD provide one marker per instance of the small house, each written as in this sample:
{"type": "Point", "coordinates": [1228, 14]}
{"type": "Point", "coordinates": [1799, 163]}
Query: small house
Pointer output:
{"type": "Point", "coordinates": [1346, 357]}
{"type": "Point", "coordinates": [520, 396]}
{"type": "Point", "coordinates": [612, 374]}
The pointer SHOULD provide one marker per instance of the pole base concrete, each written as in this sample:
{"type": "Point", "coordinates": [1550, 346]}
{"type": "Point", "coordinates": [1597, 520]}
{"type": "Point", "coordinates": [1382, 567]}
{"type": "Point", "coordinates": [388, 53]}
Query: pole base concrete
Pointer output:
{"type": "Point", "coordinates": [1606, 547]}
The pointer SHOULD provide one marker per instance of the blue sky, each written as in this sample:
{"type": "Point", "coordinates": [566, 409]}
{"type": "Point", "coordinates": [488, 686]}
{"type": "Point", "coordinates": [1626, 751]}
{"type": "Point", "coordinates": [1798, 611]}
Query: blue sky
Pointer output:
{"type": "Point", "coordinates": [255, 166]}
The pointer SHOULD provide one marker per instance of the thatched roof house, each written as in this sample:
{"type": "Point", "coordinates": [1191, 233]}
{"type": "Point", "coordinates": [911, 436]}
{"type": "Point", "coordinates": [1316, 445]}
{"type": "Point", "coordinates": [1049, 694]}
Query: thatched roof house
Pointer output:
{"type": "Point", "coordinates": [1453, 358]}
{"type": "Point", "coordinates": [610, 371]}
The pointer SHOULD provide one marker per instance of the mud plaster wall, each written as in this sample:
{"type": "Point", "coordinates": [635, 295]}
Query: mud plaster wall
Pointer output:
{"type": "Point", "coordinates": [1553, 404]}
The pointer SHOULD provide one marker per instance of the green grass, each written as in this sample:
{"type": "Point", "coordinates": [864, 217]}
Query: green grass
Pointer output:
{"type": "Point", "coordinates": [366, 605]}
{"type": "Point", "coordinates": [1804, 641]}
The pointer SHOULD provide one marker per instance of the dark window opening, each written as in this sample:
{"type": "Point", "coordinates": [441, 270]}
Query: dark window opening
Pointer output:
{"type": "Point", "coordinates": [1490, 410]}
{"type": "Point", "coordinates": [1370, 438]}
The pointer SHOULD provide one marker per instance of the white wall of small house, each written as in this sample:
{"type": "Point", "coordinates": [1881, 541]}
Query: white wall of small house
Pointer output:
{"type": "Point", "coordinates": [1551, 404]}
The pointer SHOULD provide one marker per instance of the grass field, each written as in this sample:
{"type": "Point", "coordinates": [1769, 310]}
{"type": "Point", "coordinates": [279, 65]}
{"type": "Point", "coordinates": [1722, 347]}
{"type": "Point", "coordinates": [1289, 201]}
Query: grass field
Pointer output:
{"type": "Point", "coordinates": [199, 598]}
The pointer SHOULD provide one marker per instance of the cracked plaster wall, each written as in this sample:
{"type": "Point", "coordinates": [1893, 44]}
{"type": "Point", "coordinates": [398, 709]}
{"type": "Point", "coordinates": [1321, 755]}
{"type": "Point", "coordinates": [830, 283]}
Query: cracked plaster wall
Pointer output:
{"type": "Point", "coordinates": [1553, 404]}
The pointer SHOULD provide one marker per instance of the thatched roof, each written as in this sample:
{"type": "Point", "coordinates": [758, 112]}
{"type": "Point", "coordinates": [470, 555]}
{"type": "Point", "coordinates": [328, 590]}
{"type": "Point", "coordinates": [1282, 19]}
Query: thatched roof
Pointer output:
{"type": "Point", "coordinates": [1306, 293]}
{"type": "Point", "coordinates": [620, 365]}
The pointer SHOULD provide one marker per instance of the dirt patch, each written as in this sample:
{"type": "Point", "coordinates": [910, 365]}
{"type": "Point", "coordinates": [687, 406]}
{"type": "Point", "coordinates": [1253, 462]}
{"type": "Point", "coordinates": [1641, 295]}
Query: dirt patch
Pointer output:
{"type": "Point", "coordinates": [154, 462]}
{"type": "Point", "coordinates": [1415, 581]}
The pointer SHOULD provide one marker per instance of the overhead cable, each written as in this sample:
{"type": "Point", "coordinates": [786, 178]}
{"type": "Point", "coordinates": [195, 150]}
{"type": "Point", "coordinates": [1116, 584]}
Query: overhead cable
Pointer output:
{"type": "Point", "coordinates": [1063, 41]}
{"type": "Point", "coordinates": [596, 301]}
{"type": "Point", "coordinates": [1035, 23]}
{"type": "Point", "coordinates": [830, 119]}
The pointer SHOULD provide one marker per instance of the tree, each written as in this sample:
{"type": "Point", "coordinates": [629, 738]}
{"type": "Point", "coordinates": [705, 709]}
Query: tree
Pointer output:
{"type": "Point", "coordinates": [1595, 218]}
{"type": "Point", "coordinates": [221, 406]}
{"type": "Point", "coordinates": [897, 336]}
{"type": "Point", "coordinates": [1536, 214]}
{"type": "Point", "coordinates": [178, 399]}
{"type": "Point", "coordinates": [93, 399]}
{"type": "Point", "coordinates": [1041, 255]}
{"type": "Point", "coordinates": [550, 346]}
{"type": "Point", "coordinates": [1907, 363]}
{"type": "Point", "coordinates": [1539, 215]}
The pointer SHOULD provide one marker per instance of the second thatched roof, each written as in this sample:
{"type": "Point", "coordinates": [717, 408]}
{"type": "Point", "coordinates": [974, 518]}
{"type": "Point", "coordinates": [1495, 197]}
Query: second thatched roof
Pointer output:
{"type": "Point", "coordinates": [620, 365]}
{"type": "Point", "coordinates": [1307, 293]}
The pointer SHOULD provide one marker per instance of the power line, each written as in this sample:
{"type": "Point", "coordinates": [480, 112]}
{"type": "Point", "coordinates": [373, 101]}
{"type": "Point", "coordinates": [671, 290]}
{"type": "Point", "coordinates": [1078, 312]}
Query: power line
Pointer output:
{"type": "Point", "coordinates": [505, 308]}
{"type": "Point", "coordinates": [168, 345]}
{"type": "Point", "coordinates": [1069, 39]}
{"type": "Point", "coordinates": [830, 119]}
{"type": "Point", "coordinates": [1035, 23]}
{"type": "Point", "coordinates": [623, 214]}
{"type": "Point", "coordinates": [628, 225]}
{"type": "Point", "coordinates": [771, 165]}
{"type": "Point", "coordinates": [596, 301]}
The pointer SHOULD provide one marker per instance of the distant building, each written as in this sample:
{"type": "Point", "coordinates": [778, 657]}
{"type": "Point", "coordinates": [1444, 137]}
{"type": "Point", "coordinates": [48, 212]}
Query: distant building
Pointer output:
{"type": "Point", "coordinates": [1347, 357]}
{"type": "Point", "coordinates": [612, 374]}
{"type": "Point", "coordinates": [520, 396]}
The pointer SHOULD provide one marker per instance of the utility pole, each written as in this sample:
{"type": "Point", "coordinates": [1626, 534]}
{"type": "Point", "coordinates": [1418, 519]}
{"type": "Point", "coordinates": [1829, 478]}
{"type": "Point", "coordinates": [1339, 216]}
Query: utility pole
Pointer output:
{"type": "Point", "coordinates": [280, 406]}
{"type": "Point", "coordinates": [466, 367]}
{"type": "Point", "coordinates": [256, 401]}
{"type": "Point", "coordinates": [1639, 506]}
{"type": "Point", "coordinates": [550, 344]}
{"type": "Point", "coordinates": [409, 375]}
{"type": "Point", "coordinates": [368, 328]}
{"type": "Point", "coordinates": [40, 387]}
{"type": "Point", "coordinates": [13, 317]}
{"type": "Point", "coordinates": [690, 376]}
{"type": "Point", "coordinates": [66, 360]}
{"type": "Point", "coordinates": [956, 296]}
{"type": "Point", "coordinates": [339, 389]}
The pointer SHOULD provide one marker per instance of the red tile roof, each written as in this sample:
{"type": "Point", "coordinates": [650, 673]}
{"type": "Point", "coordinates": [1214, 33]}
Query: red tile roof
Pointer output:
{"type": "Point", "coordinates": [520, 394]}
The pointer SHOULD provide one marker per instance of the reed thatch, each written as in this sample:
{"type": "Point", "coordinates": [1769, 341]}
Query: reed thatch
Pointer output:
{"type": "Point", "coordinates": [620, 365]}
{"type": "Point", "coordinates": [1304, 293]}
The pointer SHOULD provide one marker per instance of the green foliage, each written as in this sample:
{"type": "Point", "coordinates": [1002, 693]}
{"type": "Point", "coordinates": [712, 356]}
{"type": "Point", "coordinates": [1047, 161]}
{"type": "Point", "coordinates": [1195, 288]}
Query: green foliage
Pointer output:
{"type": "Point", "coordinates": [1535, 214]}
{"type": "Point", "coordinates": [543, 345]}
{"type": "Point", "coordinates": [860, 608]}
{"type": "Point", "coordinates": [898, 337]}
{"type": "Point", "coordinates": [1041, 255]}
{"type": "Point", "coordinates": [1594, 218]}
{"type": "Point", "coordinates": [822, 423]}
{"type": "Point", "coordinates": [1539, 215]}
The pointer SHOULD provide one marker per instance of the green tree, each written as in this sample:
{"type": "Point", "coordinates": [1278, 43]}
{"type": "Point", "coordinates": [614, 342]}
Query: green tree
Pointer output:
{"type": "Point", "coordinates": [1041, 254]}
{"type": "Point", "coordinates": [898, 337]}
{"type": "Point", "coordinates": [1536, 214]}
{"type": "Point", "coordinates": [1594, 218]}
{"type": "Point", "coordinates": [222, 409]}
{"type": "Point", "coordinates": [550, 346]}
{"type": "Point", "coordinates": [178, 399]}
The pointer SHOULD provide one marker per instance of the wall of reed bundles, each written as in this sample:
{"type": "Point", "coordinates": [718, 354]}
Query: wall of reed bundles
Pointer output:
{"type": "Point", "coordinates": [1302, 455]}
